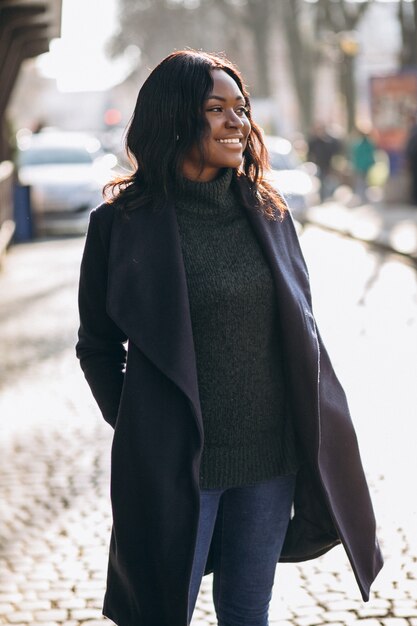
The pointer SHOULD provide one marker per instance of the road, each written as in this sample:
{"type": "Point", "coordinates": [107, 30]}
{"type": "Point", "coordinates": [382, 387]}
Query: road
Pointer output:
{"type": "Point", "coordinates": [54, 446]}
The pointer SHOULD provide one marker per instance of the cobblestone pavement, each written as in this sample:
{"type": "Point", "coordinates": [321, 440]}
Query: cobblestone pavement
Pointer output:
{"type": "Point", "coordinates": [54, 449]}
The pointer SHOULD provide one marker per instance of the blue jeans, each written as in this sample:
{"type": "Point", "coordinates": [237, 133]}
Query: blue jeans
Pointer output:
{"type": "Point", "coordinates": [247, 526]}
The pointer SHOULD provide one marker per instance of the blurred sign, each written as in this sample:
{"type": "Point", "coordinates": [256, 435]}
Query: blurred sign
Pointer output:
{"type": "Point", "coordinates": [394, 108]}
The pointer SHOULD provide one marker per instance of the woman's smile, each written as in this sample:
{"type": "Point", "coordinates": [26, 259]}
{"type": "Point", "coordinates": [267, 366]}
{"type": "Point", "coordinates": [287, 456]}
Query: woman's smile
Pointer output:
{"type": "Point", "coordinates": [233, 141]}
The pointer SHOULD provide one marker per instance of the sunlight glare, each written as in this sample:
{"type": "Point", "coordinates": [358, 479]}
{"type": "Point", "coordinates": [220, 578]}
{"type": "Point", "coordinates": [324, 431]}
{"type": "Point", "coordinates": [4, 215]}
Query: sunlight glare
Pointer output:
{"type": "Point", "coordinates": [78, 60]}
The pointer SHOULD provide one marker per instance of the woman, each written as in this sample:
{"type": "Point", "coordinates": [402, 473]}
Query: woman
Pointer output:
{"type": "Point", "coordinates": [363, 158]}
{"type": "Point", "coordinates": [221, 419]}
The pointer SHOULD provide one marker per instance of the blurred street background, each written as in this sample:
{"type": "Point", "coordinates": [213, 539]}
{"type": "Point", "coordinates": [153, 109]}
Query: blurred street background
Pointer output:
{"type": "Point", "coordinates": [334, 86]}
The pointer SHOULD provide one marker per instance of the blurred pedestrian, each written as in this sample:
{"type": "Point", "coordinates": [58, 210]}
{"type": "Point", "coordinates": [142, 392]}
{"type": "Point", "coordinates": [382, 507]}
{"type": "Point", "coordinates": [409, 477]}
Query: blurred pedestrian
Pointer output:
{"type": "Point", "coordinates": [363, 158]}
{"type": "Point", "coordinates": [222, 422]}
{"type": "Point", "coordinates": [411, 157]}
{"type": "Point", "coordinates": [322, 148]}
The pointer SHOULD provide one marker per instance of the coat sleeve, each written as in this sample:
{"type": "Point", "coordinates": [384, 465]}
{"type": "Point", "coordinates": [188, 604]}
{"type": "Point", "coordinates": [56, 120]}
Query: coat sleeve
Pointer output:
{"type": "Point", "coordinates": [100, 347]}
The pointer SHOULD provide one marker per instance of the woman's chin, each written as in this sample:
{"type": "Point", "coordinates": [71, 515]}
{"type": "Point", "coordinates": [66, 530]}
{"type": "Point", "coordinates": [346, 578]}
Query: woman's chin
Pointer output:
{"type": "Point", "coordinates": [233, 163]}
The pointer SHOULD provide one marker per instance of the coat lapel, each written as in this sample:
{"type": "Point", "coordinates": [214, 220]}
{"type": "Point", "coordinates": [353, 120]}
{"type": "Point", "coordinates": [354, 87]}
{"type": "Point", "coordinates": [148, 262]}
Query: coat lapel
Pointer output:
{"type": "Point", "coordinates": [281, 247]}
{"type": "Point", "coordinates": [147, 294]}
{"type": "Point", "coordinates": [148, 297]}
{"type": "Point", "coordinates": [311, 530]}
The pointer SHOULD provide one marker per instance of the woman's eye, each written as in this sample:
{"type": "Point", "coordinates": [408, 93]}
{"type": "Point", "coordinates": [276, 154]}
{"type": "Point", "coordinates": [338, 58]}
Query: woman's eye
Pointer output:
{"type": "Point", "coordinates": [241, 111]}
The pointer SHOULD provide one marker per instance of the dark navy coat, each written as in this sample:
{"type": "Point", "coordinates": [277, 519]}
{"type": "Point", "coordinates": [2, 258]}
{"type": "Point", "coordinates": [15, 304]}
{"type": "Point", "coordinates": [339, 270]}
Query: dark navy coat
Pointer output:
{"type": "Point", "coordinates": [133, 288]}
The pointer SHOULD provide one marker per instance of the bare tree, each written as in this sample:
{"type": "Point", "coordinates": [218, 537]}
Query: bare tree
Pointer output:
{"type": "Point", "coordinates": [244, 30]}
{"type": "Point", "coordinates": [342, 18]}
{"type": "Point", "coordinates": [300, 26]}
{"type": "Point", "coordinates": [307, 27]}
{"type": "Point", "coordinates": [156, 27]}
{"type": "Point", "coordinates": [160, 26]}
{"type": "Point", "coordinates": [407, 17]}
{"type": "Point", "coordinates": [257, 17]}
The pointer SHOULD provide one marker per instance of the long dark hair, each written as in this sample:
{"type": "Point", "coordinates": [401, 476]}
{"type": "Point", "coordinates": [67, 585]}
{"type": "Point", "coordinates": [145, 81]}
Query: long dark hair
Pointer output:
{"type": "Point", "coordinates": [168, 121]}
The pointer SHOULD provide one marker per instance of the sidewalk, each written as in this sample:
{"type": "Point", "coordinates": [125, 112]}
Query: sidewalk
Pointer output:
{"type": "Point", "coordinates": [389, 226]}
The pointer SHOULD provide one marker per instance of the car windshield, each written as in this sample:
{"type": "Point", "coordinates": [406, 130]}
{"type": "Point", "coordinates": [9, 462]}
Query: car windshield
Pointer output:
{"type": "Point", "coordinates": [55, 156]}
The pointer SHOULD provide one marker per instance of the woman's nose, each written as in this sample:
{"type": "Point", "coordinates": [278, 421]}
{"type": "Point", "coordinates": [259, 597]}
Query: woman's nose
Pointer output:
{"type": "Point", "coordinates": [233, 120]}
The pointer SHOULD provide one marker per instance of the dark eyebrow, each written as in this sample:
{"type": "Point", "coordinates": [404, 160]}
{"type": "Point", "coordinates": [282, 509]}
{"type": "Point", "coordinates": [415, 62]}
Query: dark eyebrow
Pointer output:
{"type": "Point", "coordinates": [214, 97]}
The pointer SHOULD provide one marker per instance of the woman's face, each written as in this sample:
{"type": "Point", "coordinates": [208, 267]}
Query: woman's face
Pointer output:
{"type": "Point", "coordinates": [229, 127]}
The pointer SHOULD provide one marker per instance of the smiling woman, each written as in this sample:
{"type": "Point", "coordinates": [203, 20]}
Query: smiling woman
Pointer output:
{"type": "Point", "coordinates": [193, 133]}
{"type": "Point", "coordinates": [226, 409]}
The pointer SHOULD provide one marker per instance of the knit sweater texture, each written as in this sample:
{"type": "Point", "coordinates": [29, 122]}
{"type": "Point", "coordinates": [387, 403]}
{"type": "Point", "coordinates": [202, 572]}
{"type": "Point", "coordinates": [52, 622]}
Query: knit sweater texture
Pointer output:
{"type": "Point", "coordinates": [248, 431]}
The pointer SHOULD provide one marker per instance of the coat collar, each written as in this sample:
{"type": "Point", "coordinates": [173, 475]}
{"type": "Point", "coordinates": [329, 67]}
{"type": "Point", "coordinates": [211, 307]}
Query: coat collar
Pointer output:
{"type": "Point", "coordinates": [147, 293]}
{"type": "Point", "coordinates": [147, 288]}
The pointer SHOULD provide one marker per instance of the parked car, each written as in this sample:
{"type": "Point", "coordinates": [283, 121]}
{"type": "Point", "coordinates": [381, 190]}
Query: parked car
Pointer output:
{"type": "Point", "coordinates": [297, 181]}
{"type": "Point", "coordinates": [66, 172]}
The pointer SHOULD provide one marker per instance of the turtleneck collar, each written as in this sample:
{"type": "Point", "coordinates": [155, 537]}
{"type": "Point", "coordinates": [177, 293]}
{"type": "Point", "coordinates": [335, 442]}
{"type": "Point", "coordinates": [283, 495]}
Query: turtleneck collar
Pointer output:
{"type": "Point", "coordinates": [214, 198]}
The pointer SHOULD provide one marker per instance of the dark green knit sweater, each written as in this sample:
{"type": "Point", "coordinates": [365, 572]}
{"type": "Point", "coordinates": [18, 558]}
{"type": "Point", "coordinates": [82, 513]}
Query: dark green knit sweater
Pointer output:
{"type": "Point", "coordinates": [248, 434]}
